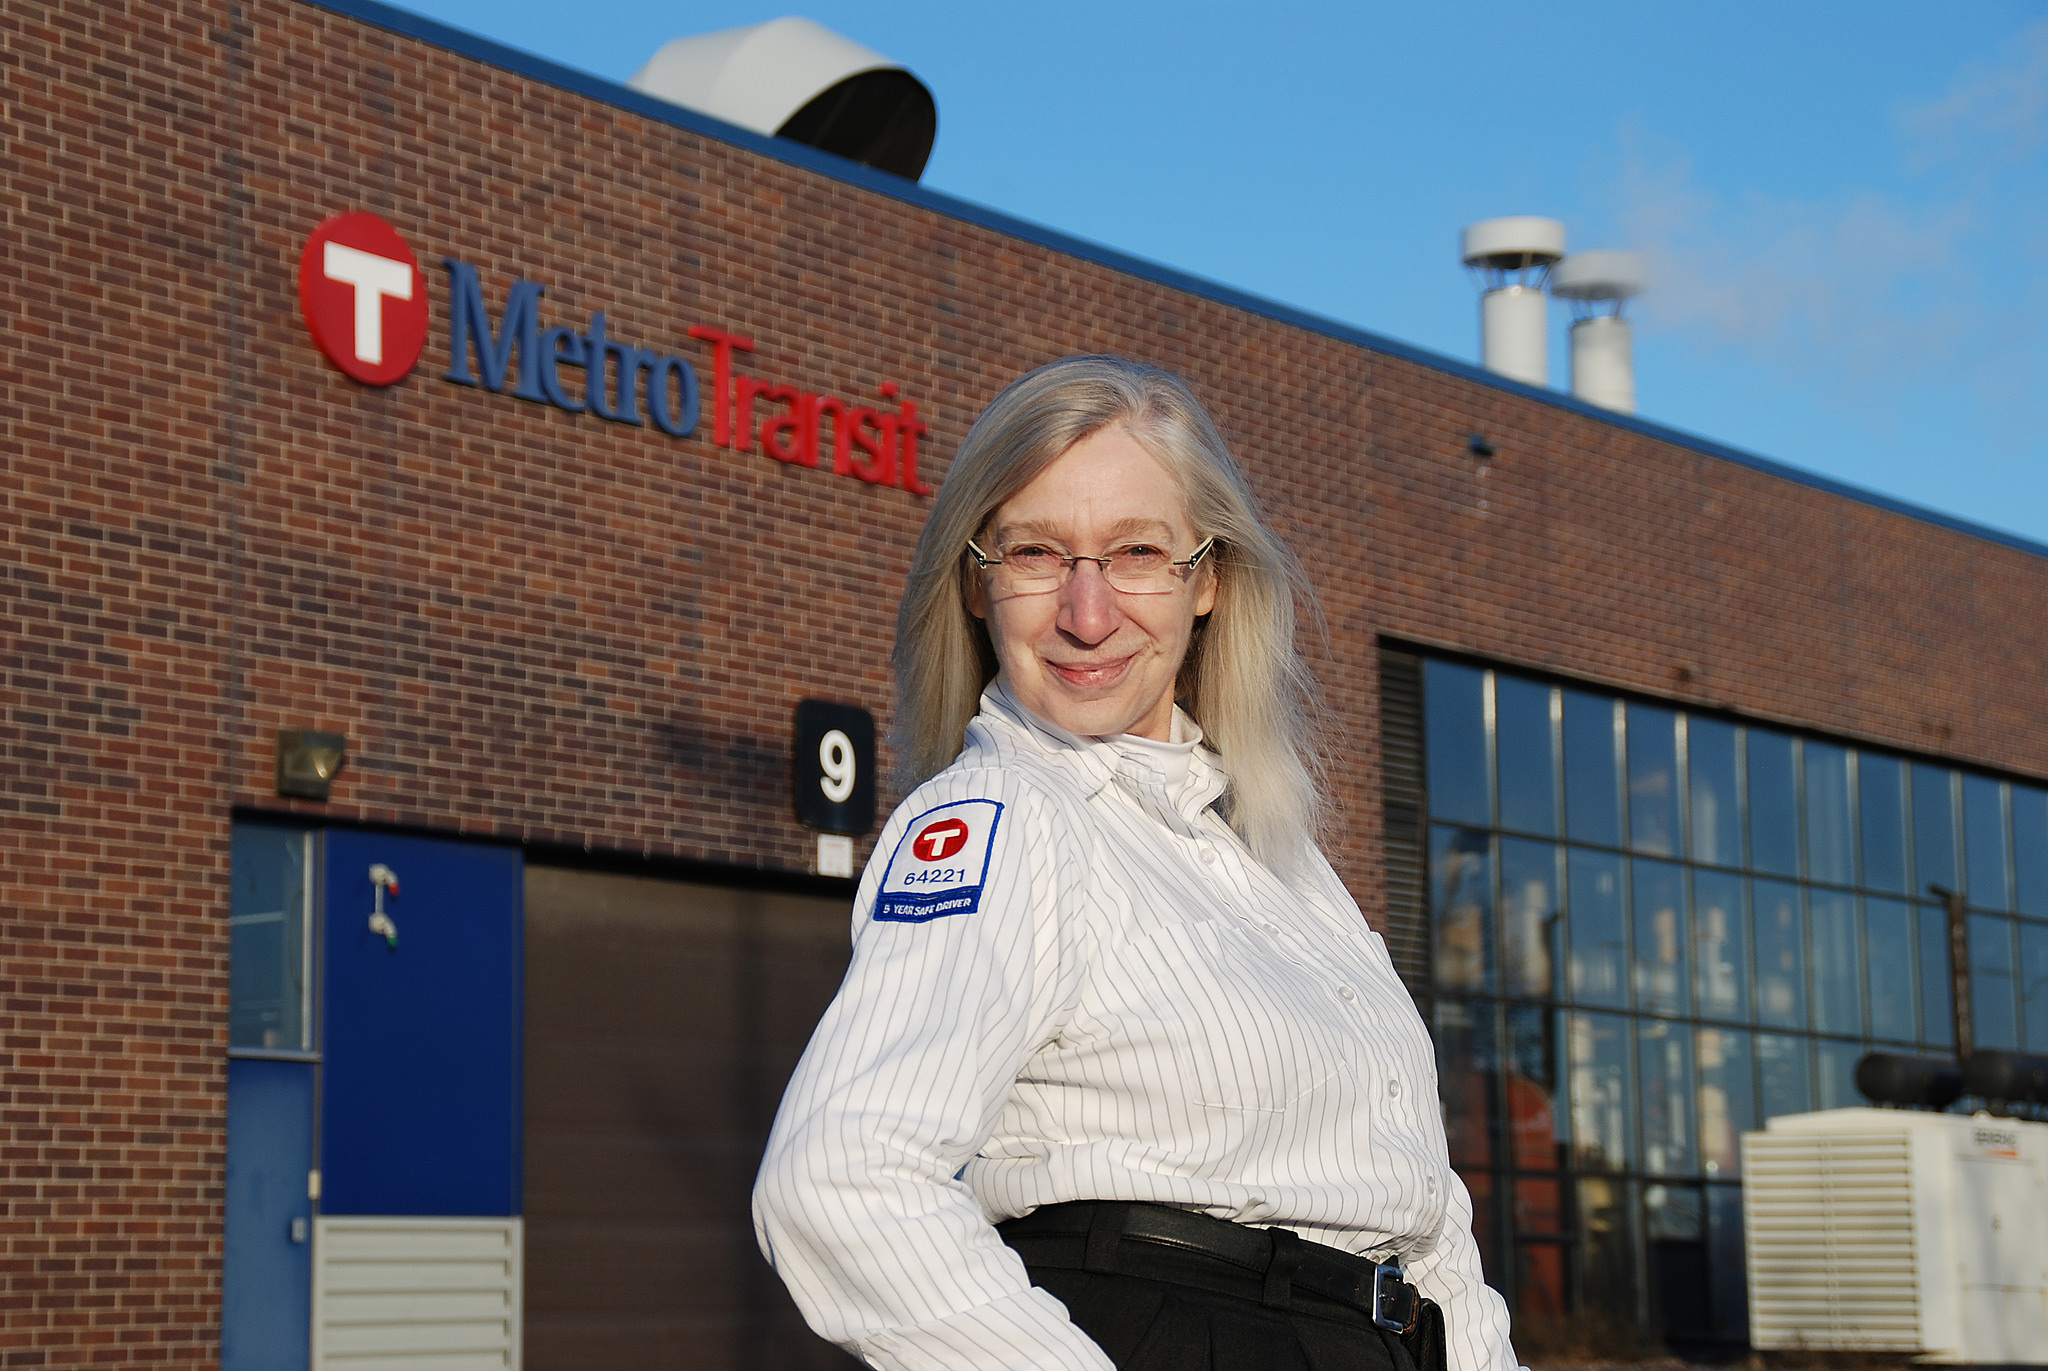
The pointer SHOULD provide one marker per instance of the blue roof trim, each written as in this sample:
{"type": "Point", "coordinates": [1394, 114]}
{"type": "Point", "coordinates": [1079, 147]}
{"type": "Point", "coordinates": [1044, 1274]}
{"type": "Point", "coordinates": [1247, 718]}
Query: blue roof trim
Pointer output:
{"type": "Point", "coordinates": [882, 183]}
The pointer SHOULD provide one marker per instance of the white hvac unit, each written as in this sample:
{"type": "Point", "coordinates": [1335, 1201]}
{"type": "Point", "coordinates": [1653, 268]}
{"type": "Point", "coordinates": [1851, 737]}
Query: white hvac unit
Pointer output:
{"type": "Point", "coordinates": [1898, 1231]}
{"type": "Point", "coordinates": [417, 1294]}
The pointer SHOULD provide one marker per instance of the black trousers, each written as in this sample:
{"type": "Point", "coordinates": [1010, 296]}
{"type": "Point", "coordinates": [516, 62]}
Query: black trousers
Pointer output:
{"type": "Point", "coordinates": [1147, 1325]}
{"type": "Point", "coordinates": [1204, 1295]}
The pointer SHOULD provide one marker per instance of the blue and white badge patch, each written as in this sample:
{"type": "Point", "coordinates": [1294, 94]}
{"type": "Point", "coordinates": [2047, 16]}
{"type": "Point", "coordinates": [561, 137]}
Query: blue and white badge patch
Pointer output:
{"type": "Point", "coordinates": [940, 863]}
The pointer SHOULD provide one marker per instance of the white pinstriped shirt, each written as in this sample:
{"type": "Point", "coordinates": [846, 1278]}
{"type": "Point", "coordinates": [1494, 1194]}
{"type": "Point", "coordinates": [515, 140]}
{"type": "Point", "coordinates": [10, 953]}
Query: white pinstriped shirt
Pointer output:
{"type": "Point", "coordinates": [1131, 1007]}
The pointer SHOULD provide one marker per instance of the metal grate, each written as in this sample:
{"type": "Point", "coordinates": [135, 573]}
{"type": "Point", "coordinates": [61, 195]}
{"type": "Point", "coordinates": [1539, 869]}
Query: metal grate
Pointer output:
{"type": "Point", "coordinates": [1403, 806]}
{"type": "Point", "coordinates": [1829, 1220]}
{"type": "Point", "coordinates": [417, 1292]}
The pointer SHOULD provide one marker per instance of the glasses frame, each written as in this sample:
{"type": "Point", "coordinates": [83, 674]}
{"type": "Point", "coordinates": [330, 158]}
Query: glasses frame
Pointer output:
{"type": "Point", "coordinates": [1188, 563]}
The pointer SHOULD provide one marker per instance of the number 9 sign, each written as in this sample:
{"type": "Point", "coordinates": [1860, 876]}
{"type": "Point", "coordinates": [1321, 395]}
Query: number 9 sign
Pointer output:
{"type": "Point", "coordinates": [834, 754]}
{"type": "Point", "coordinates": [841, 767]}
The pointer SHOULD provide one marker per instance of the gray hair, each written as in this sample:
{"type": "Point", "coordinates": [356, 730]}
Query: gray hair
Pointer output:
{"type": "Point", "coordinates": [1243, 680]}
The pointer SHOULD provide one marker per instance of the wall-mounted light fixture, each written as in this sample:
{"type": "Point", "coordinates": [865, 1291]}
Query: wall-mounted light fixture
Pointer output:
{"type": "Point", "coordinates": [307, 761]}
{"type": "Point", "coordinates": [1478, 446]}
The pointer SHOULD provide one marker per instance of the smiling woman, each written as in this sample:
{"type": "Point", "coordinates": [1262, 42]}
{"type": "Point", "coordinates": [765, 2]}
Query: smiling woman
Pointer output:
{"type": "Point", "coordinates": [1119, 1076]}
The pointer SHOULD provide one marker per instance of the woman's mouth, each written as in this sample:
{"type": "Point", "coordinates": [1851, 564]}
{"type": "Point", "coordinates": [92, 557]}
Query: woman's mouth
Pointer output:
{"type": "Point", "coordinates": [1090, 675]}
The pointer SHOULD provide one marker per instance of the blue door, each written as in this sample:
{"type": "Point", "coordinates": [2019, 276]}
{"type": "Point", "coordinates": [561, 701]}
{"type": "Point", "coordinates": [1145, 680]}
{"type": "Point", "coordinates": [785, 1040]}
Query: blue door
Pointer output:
{"type": "Point", "coordinates": [421, 1027]}
{"type": "Point", "coordinates": [266, 1280]}
{"type": "Point", "coordinates": [387, 1060]}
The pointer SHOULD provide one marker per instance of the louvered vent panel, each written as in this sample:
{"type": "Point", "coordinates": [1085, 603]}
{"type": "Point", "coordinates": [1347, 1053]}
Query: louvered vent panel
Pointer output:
{"type": "Point", "coordinates": [1829, 1224]}
{"type": "Point", "coordinates": [417, 1294]}
{"type": "Point", "coordinates": [1402, 804]}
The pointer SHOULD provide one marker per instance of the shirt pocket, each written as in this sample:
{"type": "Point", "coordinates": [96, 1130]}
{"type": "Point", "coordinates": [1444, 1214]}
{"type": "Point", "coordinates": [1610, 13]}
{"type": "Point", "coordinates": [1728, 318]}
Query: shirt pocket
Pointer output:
{"type": "Point", "coordinates": [1244, 1027]}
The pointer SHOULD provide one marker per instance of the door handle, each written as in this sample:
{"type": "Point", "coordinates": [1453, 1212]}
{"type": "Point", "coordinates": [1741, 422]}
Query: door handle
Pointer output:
{"type": "Point", "coordinates": [383, 878]}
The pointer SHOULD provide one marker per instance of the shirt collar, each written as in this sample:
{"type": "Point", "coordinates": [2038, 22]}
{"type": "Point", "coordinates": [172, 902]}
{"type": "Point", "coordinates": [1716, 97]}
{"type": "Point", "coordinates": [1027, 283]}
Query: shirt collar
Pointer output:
{"type": "Point", "coordinates": [1148, 770]}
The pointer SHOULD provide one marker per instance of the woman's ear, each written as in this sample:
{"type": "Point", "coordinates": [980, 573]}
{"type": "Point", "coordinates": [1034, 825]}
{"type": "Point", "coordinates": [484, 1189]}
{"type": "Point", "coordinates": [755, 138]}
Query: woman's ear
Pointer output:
{"type": "Point", "coordinates": [976, 595]}
{"type": "Point", "coordinates": [1205, 598]}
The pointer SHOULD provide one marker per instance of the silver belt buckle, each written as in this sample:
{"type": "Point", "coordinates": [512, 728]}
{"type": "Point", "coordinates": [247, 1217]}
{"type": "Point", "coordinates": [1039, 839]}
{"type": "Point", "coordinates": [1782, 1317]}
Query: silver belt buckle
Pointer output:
{"type": "Point", "coordinates": [1395, 1304]}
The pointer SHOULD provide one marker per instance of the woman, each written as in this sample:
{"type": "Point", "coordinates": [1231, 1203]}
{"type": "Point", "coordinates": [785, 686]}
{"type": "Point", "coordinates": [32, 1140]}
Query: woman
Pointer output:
{"type": "Point", "coordinates": [1118, 1076]}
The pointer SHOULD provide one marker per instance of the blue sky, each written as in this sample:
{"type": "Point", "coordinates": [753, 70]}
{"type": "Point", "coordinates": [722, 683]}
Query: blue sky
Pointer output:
{"type": "Point", "coordinates": [1844, 204]}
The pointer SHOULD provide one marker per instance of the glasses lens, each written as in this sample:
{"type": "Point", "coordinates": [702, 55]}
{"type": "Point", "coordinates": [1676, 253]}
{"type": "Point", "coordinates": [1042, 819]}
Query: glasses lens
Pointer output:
{"type": "Point", "coordinates": [1032, 566]}
{"type": "Point", "coordinates": [1141, 569]}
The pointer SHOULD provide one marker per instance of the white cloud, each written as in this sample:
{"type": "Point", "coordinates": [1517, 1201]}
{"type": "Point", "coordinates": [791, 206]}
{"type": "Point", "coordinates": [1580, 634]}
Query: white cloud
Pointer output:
{"type": "Point", "coordinates": [1941, 278]}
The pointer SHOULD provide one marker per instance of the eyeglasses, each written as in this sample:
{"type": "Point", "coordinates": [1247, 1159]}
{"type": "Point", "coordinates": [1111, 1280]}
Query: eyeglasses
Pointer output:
{"type": "Point", "coordinates": [1136, 569]}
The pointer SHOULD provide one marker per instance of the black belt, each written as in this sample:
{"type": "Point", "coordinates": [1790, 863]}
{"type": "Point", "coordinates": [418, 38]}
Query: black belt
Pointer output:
{"type": "Point", "coordinates": [1155, 1242]}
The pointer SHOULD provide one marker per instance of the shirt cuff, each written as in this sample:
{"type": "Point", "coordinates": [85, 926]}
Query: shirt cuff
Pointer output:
{"type": "Point", "coordinates": [1023, 1332]}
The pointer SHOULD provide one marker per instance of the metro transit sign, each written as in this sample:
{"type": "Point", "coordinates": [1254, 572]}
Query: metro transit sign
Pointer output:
{"type": "Point", "coordinates": [364, 297]}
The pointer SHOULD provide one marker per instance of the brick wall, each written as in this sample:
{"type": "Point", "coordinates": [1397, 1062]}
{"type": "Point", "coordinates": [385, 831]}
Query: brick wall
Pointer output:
{"type": "Point", "coordinates": [541, 626]}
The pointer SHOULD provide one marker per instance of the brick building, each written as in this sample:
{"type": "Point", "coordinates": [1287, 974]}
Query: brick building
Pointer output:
{"type": "Point", "coordinates": [563, 651]}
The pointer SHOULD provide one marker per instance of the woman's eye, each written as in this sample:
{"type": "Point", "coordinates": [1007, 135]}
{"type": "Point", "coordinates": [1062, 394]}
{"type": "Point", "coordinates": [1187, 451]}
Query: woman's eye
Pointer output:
{"type": "Point", "coordinates": [1032, 554]}
{"type": "Point", "coordinates": [1140, 552]}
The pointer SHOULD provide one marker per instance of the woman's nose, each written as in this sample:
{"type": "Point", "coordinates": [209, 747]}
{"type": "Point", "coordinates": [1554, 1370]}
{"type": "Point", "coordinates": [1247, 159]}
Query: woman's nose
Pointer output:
{"type": "Point", "coordinates": [1089, 610]}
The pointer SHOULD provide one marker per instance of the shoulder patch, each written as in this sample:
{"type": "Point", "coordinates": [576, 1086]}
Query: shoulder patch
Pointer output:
{"type": "Point", "coordinates": [939, 863]}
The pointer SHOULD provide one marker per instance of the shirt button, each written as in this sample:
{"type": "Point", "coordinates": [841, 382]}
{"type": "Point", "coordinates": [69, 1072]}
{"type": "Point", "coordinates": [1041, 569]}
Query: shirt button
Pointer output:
{"type": "Point", "coordinates": [1430, 1184]}
{"type": "Point", "coordinates": [1344, 993]}
{"type": "Point", "coordinates": [1206, 853]}
{"type": "Point", "coordinates": [1273, 929]}
{"type": "Point", "coordinates": [1393, 1087]}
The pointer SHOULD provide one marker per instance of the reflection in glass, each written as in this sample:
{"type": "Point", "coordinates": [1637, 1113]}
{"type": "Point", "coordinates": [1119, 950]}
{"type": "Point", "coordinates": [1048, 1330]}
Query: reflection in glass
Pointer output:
{"type": "Point", "coordinates": [1830, 848]}
{"type": "Point", "coordinates": [1937, 1005]}
{"type": "Point", "coordinates": [1781, 1069]}
{"type": "Point", "coordinates": [1726, 1269]}
{"type": "Point", "coordinates": [1984, 842]}
{"type": "Point", "coordinates": [1539, 1207]}
{"type": "Point", "coordinates": [1592, 808]}
{"type": "Point", "coordinates": [1454, 745]}
{"type": "Point", "coordinates": [2034, 986]}
{"type": "Point", "coordinates": [1532, 928]}
{"type": "Point", "coordinates": [1934, 828]}
{"type": "Point", "coordinates": [1611, 1262]}
{"type": "Point", "coordinates": [2030, 850]}
{"type": "Point", "coordinates": [268, 950]}
{"type": "Point", "coordinates": [1773, 804]}
{"type": "Point", "coordinates": [1598, 935]}
{"type": "Point", "coordinates": [1461, 889]}
{"type": "Point", "coordinates": [1671, 1213]}
{"type": "Point", "coordinates": [1837, 962]}
{"type": "Point", "coordinates": [1535, 1128]}
{"type": "Point", "coordinates": [1727, 1099]}
{"type": "Point", "coordinates": [1834, 1077]}
{"type": "Point", "coordinates": [1485, 1221]}
{"type": "Point", "coordinates": [1710, 780]}
{"type": "Point", "coordinates": [1888, 929]}
{"type": "Point", "coordinates": [1658, 897]}
{"type": "Point", "coordinates": [1664, 1068]}
{"type": "Point", "coordinates": [1524, 754]}
{"type": "Point", "coordinates": [1881, 796]}
{"type": "Point", "coordinates": [1720, 950]}
{"type": "Point", "coordinates": [1993, 1004]}
{"type": "Point", "coordinates": [1467, 1066]}
{"type": "Point", "coordinates": [1780, 955]}
{"type": "Point", "coordinates": [1602, 1110]}
{"type": "Point", "coordinates": [1540, 1277]}
{"type": "Point", "coordinates": [1653, 780]}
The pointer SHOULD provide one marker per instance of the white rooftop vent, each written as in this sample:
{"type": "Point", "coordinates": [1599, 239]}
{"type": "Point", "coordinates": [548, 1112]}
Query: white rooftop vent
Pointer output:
{"type": "Point", "coordinates": [800, 80]}
{"type": "Point", "coordinates": [1893, 1230]}
{"type": "Point", "coordinates": [1599, 285]}
{"type": "Point", "coordinates": [1512, 257]}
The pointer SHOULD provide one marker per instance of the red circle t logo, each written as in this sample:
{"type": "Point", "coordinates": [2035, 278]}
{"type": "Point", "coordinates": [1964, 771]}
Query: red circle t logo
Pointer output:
{"type": "Point", "coordinates": [364, 297]}
{"type": "Point", "coordinates": [938, 841]}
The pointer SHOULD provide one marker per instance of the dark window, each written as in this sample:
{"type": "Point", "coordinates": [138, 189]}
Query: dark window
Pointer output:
{"type": "Point", "coordinates": [1531, 917]}
{"type": "Point", "coordinates": [1937, 1004]}
{"type": "Point", "coordinates": [269, 1004]}
{"type": "Point", "coordinates": [1780, 955]}
{"type": "Point", "coordinates": [1461, 878]}
{"type": "Point", "coordinates": [1727, 1099]}
{"type": "Point", "coordinates": [1454, 713]}
{"type": "Point", "coordinates": [1993, 998]}
{"type": "Point", "coordinates": [1888, 931]}
{"type": "Point", "coordinates": [1528, 755]}
{"type": "Point", "coordinates": [2034, 985]}
{"type": "Point", "coordinates": [1599, 932]}
{"type": "Point", "coordinates": [1592, 809]}
{"type": "Point", "coordinates": [1773, 804]}
{"type": "Point", "coordinates": [1984, 843]}
{"type": "Point", "coordinates": [1837, 962]}
{"type": "Point", "coordinates": [1720, 923]}
{"type": "Point", "coordinates": [1934, 828]}
{"type": "Point", "coordinates": [1716, 817]}
{"type": "Point", "coordinates": [1830, 845]}
{"type": "Point", "coordinates": [1662, 938]}
{"type": "Point", "coordinates": [1781, 1068]}
{"type": "Point", "coordinates": [2030, 850]}
{"type": "Point", "coordinates": [1653, 780]}
{"type": "Point", "coordinates": [1881, 782]}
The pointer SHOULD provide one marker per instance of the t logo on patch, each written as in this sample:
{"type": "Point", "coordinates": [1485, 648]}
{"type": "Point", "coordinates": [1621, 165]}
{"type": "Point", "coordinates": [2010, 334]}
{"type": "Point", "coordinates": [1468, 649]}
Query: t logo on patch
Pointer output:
{"type": "Point", "coordinates": [940, 840]}
{"type": "Point", "coordinates": [364, 297]}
